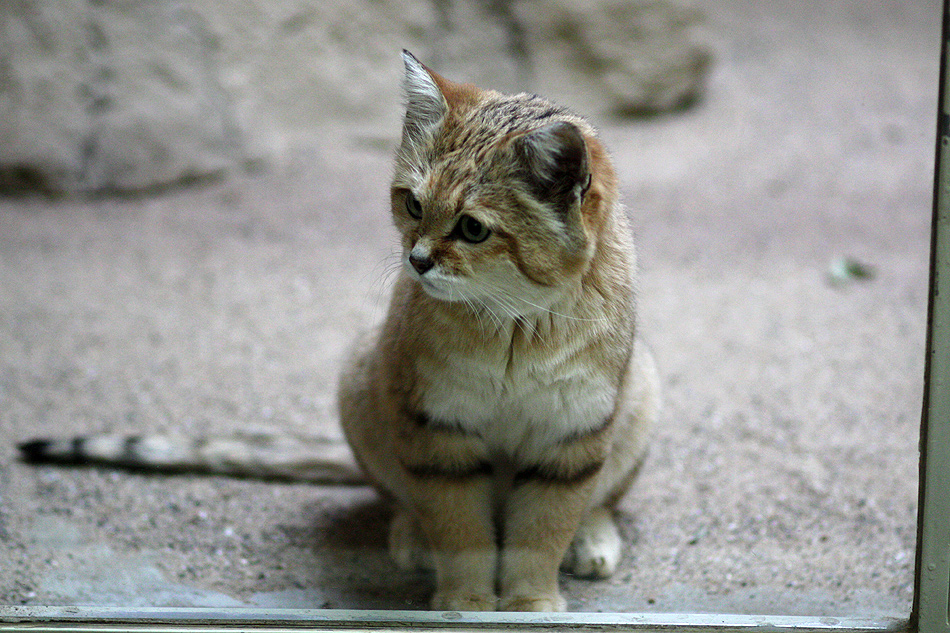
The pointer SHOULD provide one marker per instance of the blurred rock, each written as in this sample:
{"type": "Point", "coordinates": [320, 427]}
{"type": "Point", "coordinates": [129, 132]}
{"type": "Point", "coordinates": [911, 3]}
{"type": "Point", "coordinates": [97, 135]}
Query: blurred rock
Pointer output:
{"type": "Point", "coordinates": [481, 42]}
{"type": "Point", "coordinates": [634, 57]}
{"type": "Point", "coordinates": [137, 95]}
{"type": "Point", "coordinates": [110, 96]}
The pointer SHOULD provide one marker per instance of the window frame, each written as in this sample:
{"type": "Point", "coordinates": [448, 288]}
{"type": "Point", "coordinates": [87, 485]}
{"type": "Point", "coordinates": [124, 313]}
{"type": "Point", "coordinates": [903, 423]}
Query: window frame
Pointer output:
{"type": "Point", "coordinates": [931, 607]}
{"type": "Point", "coordinates": [931, 611]}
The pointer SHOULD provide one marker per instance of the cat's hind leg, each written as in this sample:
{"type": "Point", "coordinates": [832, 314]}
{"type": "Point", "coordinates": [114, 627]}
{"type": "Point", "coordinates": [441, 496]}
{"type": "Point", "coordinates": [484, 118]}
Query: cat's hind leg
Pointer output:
{"type": "Point", "coordinates": [407, 543]}
{"type": "Point", "coordinates": [597, 547]}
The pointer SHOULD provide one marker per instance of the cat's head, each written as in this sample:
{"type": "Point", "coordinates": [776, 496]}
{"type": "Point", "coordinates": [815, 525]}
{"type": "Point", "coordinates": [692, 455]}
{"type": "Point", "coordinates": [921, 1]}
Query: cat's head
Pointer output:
{"type": "Point", "coordinates": [493, 194]}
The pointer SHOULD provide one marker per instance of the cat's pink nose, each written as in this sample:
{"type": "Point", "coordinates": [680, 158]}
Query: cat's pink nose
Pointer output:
{"type": "Point", "coordinates": [421, 264]}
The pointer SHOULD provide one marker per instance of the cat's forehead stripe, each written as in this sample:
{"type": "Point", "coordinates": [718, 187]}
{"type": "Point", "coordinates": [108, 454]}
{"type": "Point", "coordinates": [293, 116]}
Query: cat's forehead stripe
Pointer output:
{"type": "Point", "coordinates": [521, 113]}
{"type": "Point", "coordinates": [449, 185]}
{"type": "Point", "coordinates": [479, 130]}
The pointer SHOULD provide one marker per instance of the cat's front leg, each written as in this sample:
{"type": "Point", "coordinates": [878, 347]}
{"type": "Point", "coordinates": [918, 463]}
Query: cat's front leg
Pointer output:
{"type": "Point", "coordinates": [541, 517]}
{"type": "Point", "coordinates": [448, 489]}
{"type": "Point", "coordinates": [455, 515]}
{"type": "Point", "coordinates": [408, 546]}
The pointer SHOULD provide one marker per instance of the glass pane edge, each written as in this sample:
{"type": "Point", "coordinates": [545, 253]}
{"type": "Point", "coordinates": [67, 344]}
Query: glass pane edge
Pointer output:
{"type": "Point", "coordinates": [69, 618]}
{"type": "Point", "coordinates": [931, 611]}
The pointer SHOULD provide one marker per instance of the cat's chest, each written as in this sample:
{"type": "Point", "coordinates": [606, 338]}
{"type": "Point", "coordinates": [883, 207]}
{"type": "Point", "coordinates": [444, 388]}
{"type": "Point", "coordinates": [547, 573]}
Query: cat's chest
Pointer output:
{"type": "Point", "coordinates": [534, 400]}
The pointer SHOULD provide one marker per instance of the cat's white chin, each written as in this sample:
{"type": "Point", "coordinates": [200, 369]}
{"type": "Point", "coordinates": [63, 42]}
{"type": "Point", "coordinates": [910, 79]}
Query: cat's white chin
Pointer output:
{"type": "Point", "coordinates": [439, 288]}
{"type": "Point", "coordinates": [438, 292]}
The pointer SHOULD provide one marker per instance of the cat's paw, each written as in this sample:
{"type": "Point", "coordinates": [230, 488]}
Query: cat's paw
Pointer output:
{"type": "Point", "coordinates": [596, 549]}
{"type": "Point", "coordinates": [463, 602]}
{"type": "Point", "coordinates": [407, 544]}
{"type": "Point", "coordinates": [534, 603]}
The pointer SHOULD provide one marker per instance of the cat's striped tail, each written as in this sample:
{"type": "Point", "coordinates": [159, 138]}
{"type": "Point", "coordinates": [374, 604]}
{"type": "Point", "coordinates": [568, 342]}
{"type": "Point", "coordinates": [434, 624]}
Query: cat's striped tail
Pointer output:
{"type": "Point", "coordinates": [252, 455]}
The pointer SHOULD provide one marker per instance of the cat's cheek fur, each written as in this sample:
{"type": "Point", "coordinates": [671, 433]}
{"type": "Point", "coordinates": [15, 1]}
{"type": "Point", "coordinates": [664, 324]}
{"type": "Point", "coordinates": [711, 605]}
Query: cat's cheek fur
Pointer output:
{"type": "Point", "coordinates": [504, 291]}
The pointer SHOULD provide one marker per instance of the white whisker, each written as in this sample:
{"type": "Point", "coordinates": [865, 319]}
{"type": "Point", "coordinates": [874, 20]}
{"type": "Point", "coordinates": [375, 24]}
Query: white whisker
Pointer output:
{"type": "Point", "coordinates": [501, 292]}
{"type": "Point", "coordinates": [391, 266]}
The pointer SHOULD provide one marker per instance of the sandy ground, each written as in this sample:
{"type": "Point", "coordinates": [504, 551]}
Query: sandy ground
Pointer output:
{"type": "Point", "coordinates": [782, 478]}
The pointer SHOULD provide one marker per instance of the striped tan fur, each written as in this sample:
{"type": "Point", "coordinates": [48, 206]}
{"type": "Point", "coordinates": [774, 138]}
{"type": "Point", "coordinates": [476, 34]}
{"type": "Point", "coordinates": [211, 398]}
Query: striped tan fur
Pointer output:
{"type": "Point", "coordinates": [260, 455]}
{"type": "Point", "coordinates": [505, 402]}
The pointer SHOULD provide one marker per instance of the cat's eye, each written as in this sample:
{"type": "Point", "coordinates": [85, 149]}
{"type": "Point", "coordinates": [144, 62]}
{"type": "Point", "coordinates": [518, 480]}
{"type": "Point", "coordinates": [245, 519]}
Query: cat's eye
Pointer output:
{"type": "Point", "coordinates": [471, 230]}
{"type": "Point", "coordinates": [413, 206]}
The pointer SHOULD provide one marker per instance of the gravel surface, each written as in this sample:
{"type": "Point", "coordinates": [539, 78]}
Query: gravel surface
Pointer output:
{"type": "Point", "coordinates": [782, 478]}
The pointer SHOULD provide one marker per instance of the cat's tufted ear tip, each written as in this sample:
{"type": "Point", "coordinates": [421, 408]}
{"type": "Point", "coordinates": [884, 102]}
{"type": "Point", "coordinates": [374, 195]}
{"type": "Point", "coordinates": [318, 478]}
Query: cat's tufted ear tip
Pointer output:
{"type": "Point", "coordinates": [409, 60]}
{"type": "Point", "coordinates": [416, 72]}
{"type": "Point", "coordinates": [425, 103]}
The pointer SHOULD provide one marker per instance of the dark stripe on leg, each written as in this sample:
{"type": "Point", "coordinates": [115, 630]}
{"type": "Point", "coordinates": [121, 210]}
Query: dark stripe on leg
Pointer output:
{"type": "Point", "coordinates": [554, 474]}
{"type": "Point", "coordinates": [449, 471]}
{"type": "Point", "coordinates": [576, 436]}
{"type": "Point", "coordinates": [424, 421]}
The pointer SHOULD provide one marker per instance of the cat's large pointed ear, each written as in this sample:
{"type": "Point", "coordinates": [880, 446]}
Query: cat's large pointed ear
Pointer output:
{"type": "Point", "coordinates": [555, 161]}
{"type": "Point", "coordinates": [425, 104]}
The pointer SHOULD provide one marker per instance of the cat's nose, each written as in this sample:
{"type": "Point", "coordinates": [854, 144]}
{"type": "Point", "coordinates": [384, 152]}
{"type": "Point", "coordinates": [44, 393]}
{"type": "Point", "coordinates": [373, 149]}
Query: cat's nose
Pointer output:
{"type": "Point", "coordinates": [421, 264]}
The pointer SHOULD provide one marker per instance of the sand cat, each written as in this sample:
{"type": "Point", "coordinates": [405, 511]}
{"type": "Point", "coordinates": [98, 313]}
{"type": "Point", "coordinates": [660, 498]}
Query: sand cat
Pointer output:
{"type": "Point", "coordinates": [505, 402]}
